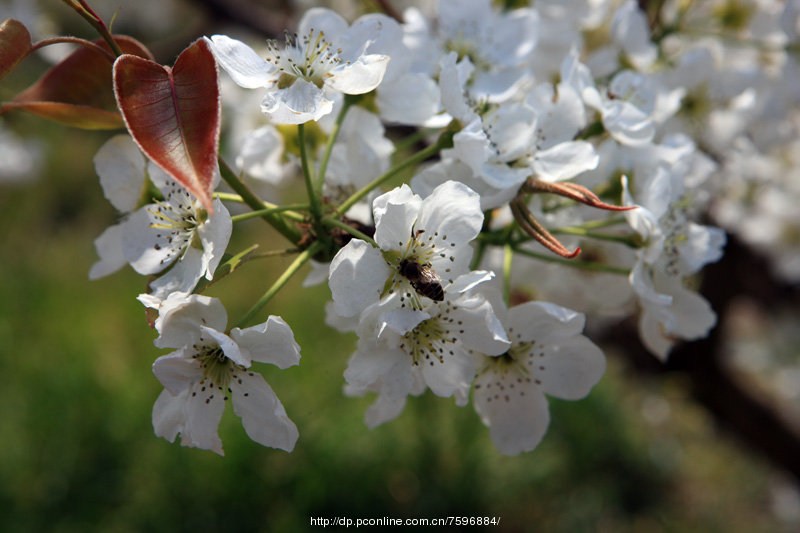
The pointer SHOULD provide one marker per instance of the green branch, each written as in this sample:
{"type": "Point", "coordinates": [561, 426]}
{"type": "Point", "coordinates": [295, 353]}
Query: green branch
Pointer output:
{"type": "Point", "coordinates": [298, 262]}
{"type": "Point", "coordinates": [627, 240]}
{"type": "Point", "coordinates": [328, 221]}
{"type": "Point", "coordinates": [287, 210]}
{"type": "Point", "coordinates": [313, 200]}
{"type": "Point", "coordinates": [584, 265]}
{"type": "Point", "coordinates": [349, 100]}
{"type": "Point", "coordinates": [275, 220]}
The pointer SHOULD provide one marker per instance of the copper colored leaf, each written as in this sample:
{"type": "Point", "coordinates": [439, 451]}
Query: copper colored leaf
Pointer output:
{"type": "Point", "coordinates": [15, 43]}
{"type": "Point", "coordinates": [173, 114]}
{"type": "Point", "coordinates": [78, 90]}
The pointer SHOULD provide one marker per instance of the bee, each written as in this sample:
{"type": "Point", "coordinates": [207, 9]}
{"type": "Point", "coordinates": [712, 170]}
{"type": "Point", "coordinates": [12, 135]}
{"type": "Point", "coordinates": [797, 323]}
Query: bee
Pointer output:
{"type": "Point", "coordinates": [424, 280]}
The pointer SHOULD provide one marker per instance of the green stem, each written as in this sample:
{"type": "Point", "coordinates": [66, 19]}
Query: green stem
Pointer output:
{"type": "Point", "coordinates": [285, 209]}
{"type": "Point", "coordinates": [228, 197]}
{"type": "Point", "coordinates": [83, 9]}
{"type": "Point", "coordinates": [323, 164]}
{"type": "Point", "coordinates": [478, 257]}
{"type": "Point", "coordinates": [298, 262]}
{"type": "Point", "coordinates": [584, 265]}
{"type": "Point", "coordinates": [289, 211]}
{"type": "Point", "coordinates": [602, 223]}
{"type": "Point", "coordinates": [274, 253]}
{"type": "Point", "coordinates": [316, 209]}
{"type": "Point", "coordinates": [508, 257]}
{"type": "Point", "coordinates": [289, 231]}
{"type": "Point", "coordinates": [445, 141]}
{"type": "Point", "coordinates": [623, 239]}
{"type": "Point", "coordinates": [328, 221]}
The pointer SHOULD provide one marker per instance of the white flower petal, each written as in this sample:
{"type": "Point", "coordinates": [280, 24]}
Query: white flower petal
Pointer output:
{"type": "Point", "coordinates": [180, 319]}
{"type": "Point", "coordinates": [120, 165]}
{"type": "Point", "coordinates": [360, 76]}
{"type": "Point", "coordinates": [319, 273]}
{"type": "Point", "coordinates": [383, 410]}
{"type": "Point", "coordinates": [168, 416]}
{"type": "Point", "coordinates": [203, 413]}
{"type": "Point", "coordinates": [395, 214]}
{"type": "Point", "coordinates": [182, 277]}
{"type": "Point", "coordinates": [263, 416]}
{"type": "Point", "coordinates": [144, 249]}
{"type": "Point", "coordinates": [572, 367]}
{"type": "Point", "coordinates": [109, 248]}
{"type": "Point", "coordinates": [413, 98]}
{"type": "Point", "coordinates": [228, 346]}
{"type": "Point", "coordinates": [542, 322]}
{"type": "Point", "coordinates": [469, 281]}
{"type": "Point", "coordinates": [298, 104]}
{"type": "Point", "coordinates": [176, 371]}
{"type": "Point", "coordinates": [452, 376]}
{"type": "Point", "coordinates": [357, 275]}
{"type": "Point", "coordinates": [517, 416]}
{"type": "Point", "coordinates": [214, 234]}
{"type": "Point", "coordinates": [271, 342]}
{"type": "Point", "coordinates": [372, 364]}
{"type": "Point", "coordinates": [497, 87]}
{"type": "Point", "coordinates": [260, 155]}
{"type": "Point", "coordinates": [479, 329]}
{"type": "Point", "coordinates": [564, 161]}
{"type": "Point", "coordinates": [628, 124]}
{"type": "Point", "coordinates": [244, 65]}
{"type": "Point", "coordinates": [453, 211]}
{"type": "Point", "coordinates": [693, 313]}
{"type": "Point", "coordinates": [453, 77]}
{"type": "Point", "coordinates": [322, 20]}
{"type": "Point", "coordinates": [401, 321]}
{"type": "Point", "coordinates": [704, 245]}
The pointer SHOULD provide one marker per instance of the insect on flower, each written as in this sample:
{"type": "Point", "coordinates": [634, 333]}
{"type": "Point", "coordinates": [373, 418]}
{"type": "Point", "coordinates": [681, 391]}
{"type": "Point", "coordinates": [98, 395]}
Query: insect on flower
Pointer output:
{"type": "Point", "coordinates": [424, 280]}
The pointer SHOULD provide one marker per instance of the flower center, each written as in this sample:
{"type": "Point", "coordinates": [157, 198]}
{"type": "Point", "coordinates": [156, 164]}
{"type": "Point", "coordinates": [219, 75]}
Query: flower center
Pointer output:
{"type": "Point", "coordinates": [177, 217]}
{"type": "Point", "coordinates": [514, 360]}
{"type": "Point", "coordinates": [218, 371]}
{"type": "Point", "coordinates": [433, 339]}
{"type": "Point", "coordinates": [310, 58]}
{"type": "Point", "coordinates": [676, 229]}
{"type": "Point", "coordinates": [411, 268]}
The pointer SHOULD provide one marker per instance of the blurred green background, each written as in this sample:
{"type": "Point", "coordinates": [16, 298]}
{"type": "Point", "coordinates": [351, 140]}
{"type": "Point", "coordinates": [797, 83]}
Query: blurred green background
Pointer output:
{"type": "Point", "coordinates": [77, 450]}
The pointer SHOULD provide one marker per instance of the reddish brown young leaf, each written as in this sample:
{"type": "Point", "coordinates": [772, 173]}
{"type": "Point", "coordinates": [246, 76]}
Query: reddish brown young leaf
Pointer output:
{"type": "Point", "coordinates": [173, 114]}
{"type": "Point", "coordinates": [15, 43]}
{"type": "Point", "coordinates": [78, 90]}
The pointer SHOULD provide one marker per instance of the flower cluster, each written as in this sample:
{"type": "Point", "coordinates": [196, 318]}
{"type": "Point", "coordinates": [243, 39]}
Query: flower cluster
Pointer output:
{"type": "Point", "coordinates": [568, 163]}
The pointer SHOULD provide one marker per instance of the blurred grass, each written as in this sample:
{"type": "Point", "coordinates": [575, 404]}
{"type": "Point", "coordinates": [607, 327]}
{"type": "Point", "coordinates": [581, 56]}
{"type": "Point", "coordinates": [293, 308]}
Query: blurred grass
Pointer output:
{"type": "Point", "coordinates": [78, 451]}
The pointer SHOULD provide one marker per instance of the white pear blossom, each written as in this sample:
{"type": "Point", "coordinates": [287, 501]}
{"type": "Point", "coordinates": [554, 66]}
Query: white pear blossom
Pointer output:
{"type": "Point", "coordinates": [507, 143]}
{"type": "Point", "coordinates": [176, 232]}
{"type": "Point", "coordinates": [630, 35]}
{"type": "Point", "coordinates": [548, 355]}
{"type": "Point", "coordinates": [626, 106]}
{"type": "Point", "coordinates": [404, 351]}
{"type": "Point", "coordinates": [504, 148]}
{"type": "Point", "coordinates": [304, 76]}
{"type": "Point", "coordinates": [431, 234]}
{"type": "Point", "coordinates": [123, 172]}
{"type": "Point", "coordinates": [675, 249]}
{"type": "Point", "coordinates": [211, 366]}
